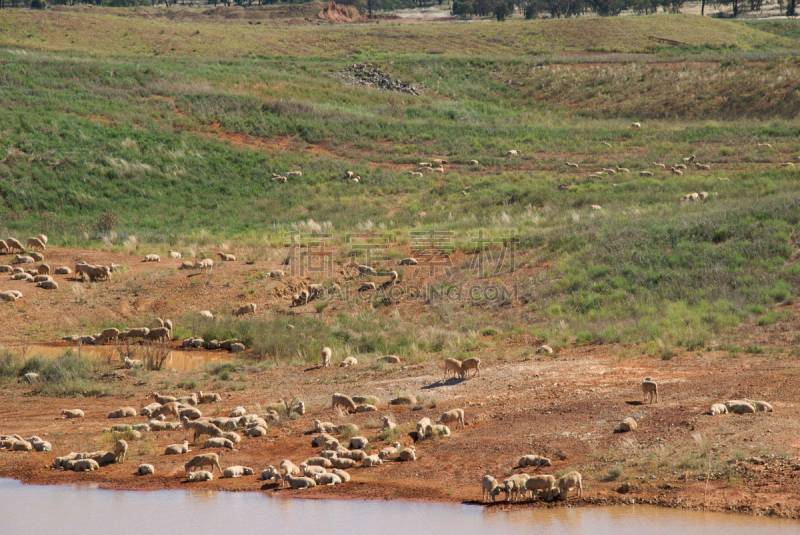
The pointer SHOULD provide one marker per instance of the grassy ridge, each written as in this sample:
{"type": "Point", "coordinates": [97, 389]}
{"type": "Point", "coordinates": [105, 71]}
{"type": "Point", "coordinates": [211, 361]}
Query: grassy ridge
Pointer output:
{"type": "Point", "coordinates": [96, 31]}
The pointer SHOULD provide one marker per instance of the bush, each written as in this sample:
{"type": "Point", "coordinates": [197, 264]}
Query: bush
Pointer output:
{"type": "Point", "coordinates": [38, 4]}
{"type": "Point", "coordinates": [9, 364]}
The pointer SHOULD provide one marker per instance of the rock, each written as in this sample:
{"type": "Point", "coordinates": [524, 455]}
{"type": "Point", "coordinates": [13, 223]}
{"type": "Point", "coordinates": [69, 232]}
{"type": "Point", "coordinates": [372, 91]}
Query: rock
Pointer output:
{"type": "Point", "coordinates": [624, 488]}
{"type": "Point", "coordinates": [236, 347]}
{"type": "Point", "coordinates": [213, 344]}
{"type": "Point", "coordinates": [365, 75]}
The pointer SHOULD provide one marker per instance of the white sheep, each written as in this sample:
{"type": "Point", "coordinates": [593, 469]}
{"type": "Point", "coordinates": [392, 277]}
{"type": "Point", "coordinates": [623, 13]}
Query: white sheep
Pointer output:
{"type": "Point", "coordinates": [344, 476]}
{"type": "Point", "coordinates": [146, 469]}
{"type": "Point", "coordinates": [200, 475]}
{"type": "Point", "coordinates": [249, 308]}
{"type": "Point", "coordinates": [489, 484]}
{"type": "Point", "coordinates": [542, 483]}
{"type": "Point", "coordinates": [237, 412]}
{"type": "Point", "coordinates": [297, 483]}
{"type": "Point", "coordinates": [650, 389]}
{"type": "Point", "coordinates": [72, 413]}
{"type": "Point", "coordinates": [326, 357]}
{"type": "Point", "coordinates": [566, 483]}
{"type": "Point", "coordinates": [348, 361]}
{"type": "Point", "coordinates": [455, 415]}
{"type": "Point", "coordinates": [177, 449]}
{"type": "Point", "coordinates": [218, 442]}
{"type": "Point", "coordinates": [358, 443]}
{"type": "Point", "coordinates": [370, 461]}
{"type": "Point", "coordinates": [327, 479]}
{"type": "Point", "coordinates": [237, 471]}
{"type": "Point", "coordinates": [174, 254]}
{"type": "Point", "coordinates": [205, 314]}
{"type": "Point", "coordinates": [122, 412]}
{"type": "Point", "coordinates": [717, 408]}
{"type": "Point", "coordinates": [438, 431]}
{"type": "Point", "coordinates": [388, 423]}
{"type": "Point", "coordinates": [534, 460]}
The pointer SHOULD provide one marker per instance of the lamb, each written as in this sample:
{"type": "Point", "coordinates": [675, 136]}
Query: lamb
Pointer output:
{"type": "Point", "coordinates": [489, 485]}
{"type": "Point", "coordinates": [403, 400]}
{"type": "Point", "coordinates": [628, 424]}
{"type": "Point", "coordinates": [472, 363]}
{"type": "Point", "coordinates": [566, 483]}
{"type": "Point", "coordinates": [371, 461]}
{"type": "Point", "coordinates": [161, 334]}
{"type": "Point", "coordinates": [453, 365]}
{"type": "Point", "coordinates": [202, 428]}
{"type": "Point", "coordinates": [72, 413]}
{"type": "Point", "coordinates": [650, 388]}
{"type": "Point", "coordinates": [14, 244]}
{"type": "Point", "coordinates": [120, 449]}
{"type": "Point", "coordinates": [199, 461]}
{"type": "Point", "coordinates": [218, 442]}
{"type": "Point", "coordinates": [145, 469]}
{"type": "Point", "coordinates": [227, 257]}
{"type": "Point", "coordinates": [206, 265]}
{"type": "Point", "coordinates": [717, 408]}
{"type": "Point", "coordinates": [34, 243]}
{"type": "Point", "coordinates": [455, 415]}
{"type": "Point", "coordinates": [358, 443]}
{"type": "Point", "coordinates": [297, 483]}
{"type": "Point", "coordinates": [326, 357]}
{"type": "Point", "coordinates": [202, 475]}
{"type": "Point", "coordinates": [208, 397]}
{"type": "Point", "coordinates": [348, 361]}
{"type": "Point", "coordinates": [534, 460]}
{"type": "Point", "coordinates": [327, 479]}
{"type": "Point", "coordinates": [249, 308]}
{"type": "Point", "coordinates": [238, 471]}
{"type": "Point", "coordinates": [534, 484]}
{"type": "Point", "coordinates": [343, 401]}
{"type": "Point", "coordinates": [122, 412]}
{"type": "Point", "coordinates": [389, 359]}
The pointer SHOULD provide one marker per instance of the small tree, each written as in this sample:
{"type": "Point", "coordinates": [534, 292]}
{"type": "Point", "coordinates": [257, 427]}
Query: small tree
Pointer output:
{"type": "Point", "coordinates": [38, 4]}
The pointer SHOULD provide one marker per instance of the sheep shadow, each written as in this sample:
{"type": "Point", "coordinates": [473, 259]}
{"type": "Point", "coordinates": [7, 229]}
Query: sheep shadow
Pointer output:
{"type": "Point", "coordinates": [312, 368]}
{"type": "Point", "coordinates": [634, 403]}
{"type": "Point", "coordinates": [271, 486]}
{"type": "Point", "coordinates": [446, 382]}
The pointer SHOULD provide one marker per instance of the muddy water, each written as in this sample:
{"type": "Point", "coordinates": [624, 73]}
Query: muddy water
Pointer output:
{"type": "Point", "coordinates": [83, 510]}
{"type": "Point", "coordinates": [176, 360]}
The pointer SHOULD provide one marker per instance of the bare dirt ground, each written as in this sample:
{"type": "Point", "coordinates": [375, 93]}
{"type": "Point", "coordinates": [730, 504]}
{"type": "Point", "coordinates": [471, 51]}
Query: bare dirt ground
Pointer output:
{"type": "Point", "coordinates": [565, 406]}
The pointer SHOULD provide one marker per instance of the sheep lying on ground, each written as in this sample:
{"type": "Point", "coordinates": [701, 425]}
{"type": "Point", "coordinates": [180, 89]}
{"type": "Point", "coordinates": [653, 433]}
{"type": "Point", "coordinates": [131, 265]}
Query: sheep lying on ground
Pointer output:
{"type": "Point", "coordinates": [358, 443]}
{"type": "Point", "coordinates": [218, 442]}
{"type": "Point", "coordinates": [388, 423]}
{"type": "Point", "coordinates": [208, 397]}
{"type": "Point", "coordinates": [201, 475]}
{"type": "Point", "coordinates": [310, 470]}
{"type": "Point", "coordinates": [146, 469]}
{"type": "Point", "coordinates": [455, 415]}
{"type": "Point", "coordinates": [297, 483]}
{"type": "Point", "coordinates": [238, 471]}
{"type": "Point", "coordinates": [534, 460]}
{"type": "Point", "coordinates": [227, 257]}
{"type": "Point", "coordinates": [271, 473]}
{"type": "Point", "coordinates": [72, 413]}
{"type": "Point", "coordinates": [740, 407]}
{"type": "Point", "coordinates": [255, 431]}
{"type": "Point", "coordinates": [324, 427]}
{"type": "Point", "coordinates": [407, 454]}
{"type": "Point", "coordinates": [199, 461]}
{"type": "Point", "coordinates": [717, 408]}
{"type": "Point", "coordinates": [348, 361]}
{"type": "Point", "coordinates": [371, 461]}
{"type": "Point", "coordinates": [249, 308]}
{"type": "Point", "coordinates": [82, 465]}
{"type": "Point", "coordinates": [403, 400]}
{"type": "Point", "coordinates": [343, 463]}
{"type": "Point", "coordinates": [327, 479]}
{"type": "Point", "coordinates": [438, 431]}
{"type": "Point", "coordinates": [628, 424]}
{"type": "Point", "coordinates": [423, 427]}
{"type": "Point", "coordinates": [122, 412]}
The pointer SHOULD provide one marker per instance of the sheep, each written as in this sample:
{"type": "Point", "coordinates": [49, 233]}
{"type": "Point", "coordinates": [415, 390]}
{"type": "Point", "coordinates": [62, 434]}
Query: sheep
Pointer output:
{"type": "Point", "coordinates": [120, 449]}
{"type": "Point", "coordinates": [386, 452]}
{"type": "Point", "coordinates": [573, 165]}
{"type": "Point", "coordinates": [121, 428]}
{"type": "Point", "coordinates": [343, 401]}
{"type": "Point", "coordinates": [160, 334]}
{"type": "Point", "coordinates": [343, 463]}
{"type": "Point", "coordinates": [188, 400]}
{"type": "Point", "coordinates": [408, 262]}
{"type": "Point", "coordinates": [225, 423]}
{"type": "Point", "coordinates": [566, 483]}
{"type": "Point", "coordinates": [162, 400]}
{"type": "Point", "coordinates": [12, 244]}
{"type": "Point", "coordinates": [40, 445]}
{"type": "Point", "coordinates": [168, 324]}
{"type": "Point", "coordinates": [218, 442]}
{"type": "Point", "coordinates": [366, 408]}
{"type": "Point", "coordinates": [452, 365]}
{"type": "Point", "coordinates": [318, 461]}
{"type": "Point", "coordinates": [544, 349]}
{"type": "Point", "coordinates": [311, 469]}
{"type": "Point", "coordinates": [22, 277]}
{"type": "Point", "coordinates": [34, 243]}
{"type": "Point", "coordinates": [329, 454]}
{"type": "Point", "coordinates": [423, 427]}
{"type": "Point", "coordinates": [237, 347]}
{"type": "Point", "coordinates": [43, 269]}
{"type": "Point", "coordinates": [48, 285]}
{"type": "Point", "coordinates": [238, 412]}
{"type": "Point", "coordinates": [628, 424]}
{"type": "Point", "coordinates": [596, 207]}
{"type": "Point", "coordinates": [514, 486]}
{"type": "Point", "coordinates": [327, 479]}
{"type": "Point", "coordinates": [22, 445]}
{"type": "Point", "coordinates": [206, 265]}
{"type": "Point", "coordinates": [171, 408]}
{"type": "Point", "coordinates": [365, 270]}
{"type": "Point", "coordinates": [41, 278]}
{"type": "Point", "coordinates": [389, 359]}
{"type": "Point", "coordinates": [645, 173]}
{"type": "Point", "coordinates": [294, 173]}
{"type": "Point", "coordinates": [145, 469]}
{"type": "Point", "coordinates": [636, 125]}
{"type": "Point", "coordinates": [87, 339]}
{"type": "Point", "coordinates": [72, 413]}
{"type": "Point", "coordinates": [740, 407]}
{"type": "Point", "coordinates": [7, 296]}
{"type": "Point", "coordinates": [255, 431]}
{"type": "Point", "coordinates": [199, 461]}
{"type": "Point", "coordinates": [276, 274]}
{"type": "Point", "coordinates": [6, 269]}
{"type": "Point", "coordinates": [717, 408]}
{"type": "Point", "coordinates": [271, 473]}
{"type": "Point", "coordinates": [621, 169]}
{"type": "Point", "coordinates": [152, 258]}
{"type": "Point", "coordinates": [208, 397]}
{"type": "Point", "coordinates": [131, 334]}
{"type": "Point", "coordinates": [650, 388]}
{"type": "Point", "coordinates": [83, 465]}
{"type": "Point", "coordinates": [534, 460]}
{"type": "Point", "coordinates": [344, 476]}
{"type": "Point", "coordinates": [415, 173]}
{"type": "Point", "coordinates": [142, 428]}
{"type": "Point", "coordinates": [202, 428]}
{"type": "Point", "coordinates": [205, 314]}
{"type": "Point", "coordinates": [227, 257]}
{"type": "Point", "coordinates": [358, 443]}
{"type": "Point", "coordinates": [489, 484]}
{"type": "Point", "coordinates": [3, 246]}
{"type": "Point", "coordinates": [326, 357]}
{"type": "Point", "coordinates": [201, 475]}
{"type": "Point", "coordinates": [367, 287]}
{"type": "Point", "coordinates": [348, 361]}
{"type": "Point", "coordinates": [534, 484]}
{"type": "Point", "coordinates": [122, 412]}
{"type": "Point", "coordinates": [438, 430]}
{"type": "Point", "coordinates": [19, 259]}
{"type": "Point", "coordinates": [403, 400]}
{"type": "Point", "coordinates": [760, 406]}
{"type": "Point", "coordinates": [323, 427]}
{"type": "Point", "coordinates": [249, 308]}
{"type": "Point", "coordinates": [298, 483]}
{"type": "Point", "coordinates": [349, 428]}
{"type": "Point", "coordinates": [288, 468]}
{"type": "Point", "coordinates": [676, 171]}
{"type": "Point", "coordinates": [108, 335]}
{"type": "Point", "coordinates": [470, 364]}
{"type": "Point", "coordinates": [371, 461]}
{"type": "Point", "coordinates": [190, 412]}
{"type": "Point", "coordinates": [455, 415]}
{"type": "Point", "coordinates": [514, 152]}
{"type": "Point", "coordinates": [690, 197]}
{"type": "Point", "coordinates": [357, 455]}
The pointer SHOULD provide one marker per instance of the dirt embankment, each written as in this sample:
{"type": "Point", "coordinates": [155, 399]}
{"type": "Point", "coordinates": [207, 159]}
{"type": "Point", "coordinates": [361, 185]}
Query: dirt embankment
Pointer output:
{"type": "Point", "coordinates": [564, 407]}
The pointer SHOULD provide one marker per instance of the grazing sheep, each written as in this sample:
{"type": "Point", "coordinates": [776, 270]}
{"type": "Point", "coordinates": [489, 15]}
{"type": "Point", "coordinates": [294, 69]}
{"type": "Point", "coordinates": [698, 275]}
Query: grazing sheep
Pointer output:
{"type": "Point", "coordinates": [628, 424]}
{"type": "Point", "coordinates": [14, 244]}
{"type": "Point", "coordinates": [358, 443]}
{"type": "Point", "coordinates": [438, 430]}
{"type": "Point", "coordinates": [514, 152]}
{"type": "Point", "coordinates": [199, 461]}
{"type": "Point", "coordinates": [3, 246]}
{"type": "Point", "coordinates": [108, 334]}
{"type": "Point", "coordinates": [514, 486]}
{"type": "Point", "coordinates": [326, 357]}
{"type": "Point", "coordinates": [403, 400]}
{"type": "Point", "coordinates": [454, 366]}
{"type": "Point", "coordinates": [298, 483]}
{"type": "Point", "coordinates": [690, 197]}
{"type": "Point", "coordinates": [34, 243]}
{"type": "Point", "coordinates": [645, 173]}
{"type": "Point", "coordinates": [544, 349]}
{"type": "Point", "coordinates": [206, 265]}
{"type": "Point", "coordinates": [238, 471]}
{"type": "Point", "coordinates": [650, 388]}
{"type": "Point", "coordinates": [122, 412]}
{"type": "Point", "coordinates": [717, 408]}
{"type": "Point", "coordinates": [249, 308]}
{"type": "Point", "coordinates": [161, 334]}
{"type": "Point", "coordinates": [205, 314]}
{"type": "Point", "coordinates": [596, 207]}
{"type": "Point", "coordinates": [201, 475]}
{"type": "Point", "coordinates": [371, 461]}
{"type": "Point", "coordinates": [208, 397]}
{"type": "Point", "coordinates": [636, 125]}
{"type": "Point", "coordinates": [535, 484]}
{"type": "Point", "coordinates": [218, 442]}
{"type": "Point", "coordinates": [146, 469]}
{"type": "Point", "coordinates": [202, 428]}
{"type": "Point", "coordinates": [120, 449]}
{"type": "Point", "coordinates": [72, 413]}
{"type": "Point", "coordinates": [534, 460]}
{"type": "Point", "coordinates": [489, 484]}
{"type": "Point", "coordinates": [343, 401]}
{"type": "Point", "coordinates": [455, 415]}
{"type": "Point", "coordinates": [566, 483]}
{"type": "Point", "coordinates": [472, 363]}
{"type": "Point", "coordinates": [348, 361]}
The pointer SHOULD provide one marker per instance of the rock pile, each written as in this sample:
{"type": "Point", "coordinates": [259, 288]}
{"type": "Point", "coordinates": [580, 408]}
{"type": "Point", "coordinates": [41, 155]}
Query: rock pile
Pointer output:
{"type": "Point", "coordinates": [365, 75]}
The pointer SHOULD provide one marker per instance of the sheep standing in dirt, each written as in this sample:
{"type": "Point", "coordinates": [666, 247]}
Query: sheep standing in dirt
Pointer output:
{"type": "Point", "coordinates": [566, 483]}
{"type": "Point", "coordinates": [204, 459]}
{"type": "Point", "coordinates": [206, 265]}
{"type": "Point", "coordinates": [650, 388]}
{"type": "Point", "coordinates": [536, 484]}
{"type": "Point", "coordinates": [120, 449]}
{"type": "Point", "coordinates": [489, 484]}
{"type": "Point", "coordinates": [455, 415]}
{"type": "Point", "coordinates": [472, 363]}
{"type": "Point", "coordinates": [454, 366]}
{"type": "Point", "coordinates": [161, 334]}
{"type": "Point", "coordinates": [326, 357]}
{"type": "Point", "coordinates": [202, 428]}
{"type": "Point", "coordinates": [35, 244]}
{"type": "Point", "coordinates": [343, 401]}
